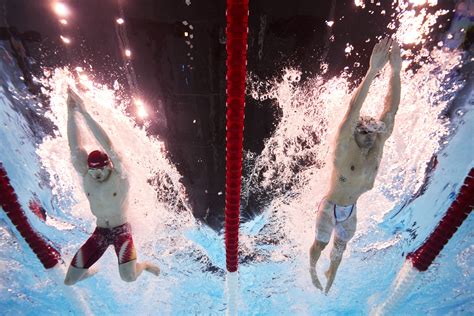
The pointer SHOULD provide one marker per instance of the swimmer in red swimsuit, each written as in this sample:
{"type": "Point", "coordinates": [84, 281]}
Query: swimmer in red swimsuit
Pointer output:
{"type": "Point", "coordinates": [100, 240]}
{"type": "Point", "coordinates": [106, 186]}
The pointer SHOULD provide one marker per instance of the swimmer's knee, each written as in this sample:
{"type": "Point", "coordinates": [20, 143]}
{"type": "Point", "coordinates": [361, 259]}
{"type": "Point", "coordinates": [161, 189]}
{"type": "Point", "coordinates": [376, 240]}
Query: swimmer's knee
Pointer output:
{"type": "Point", "coordinates": [336, 254]}
{"type": "Point", "coordinates": [319, 245]}
{"type": "Point", "coordinates": [340, 244]}
{"type": "Point", "coordinates": [128, 278]}
{"type": "Point", "coordinates": [73, 275]}
{"type": "Point", "coordinates": [69, 281]}
{"type": "Point", "coordinates": [338, 250]}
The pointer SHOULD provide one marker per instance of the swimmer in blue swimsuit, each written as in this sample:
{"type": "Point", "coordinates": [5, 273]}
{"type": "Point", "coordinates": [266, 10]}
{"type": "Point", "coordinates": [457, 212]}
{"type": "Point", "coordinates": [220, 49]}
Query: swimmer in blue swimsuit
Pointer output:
{"type": "Point", "coordinates": [358, 151]}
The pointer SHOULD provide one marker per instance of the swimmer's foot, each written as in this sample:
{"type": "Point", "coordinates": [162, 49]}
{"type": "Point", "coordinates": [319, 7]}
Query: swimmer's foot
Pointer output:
{"type": "Point", "coordinates": [153, 269]}
{"type": "Point", "coordinates": [314, 278]}
{"type": "Point", "coordinates": [330, 279]}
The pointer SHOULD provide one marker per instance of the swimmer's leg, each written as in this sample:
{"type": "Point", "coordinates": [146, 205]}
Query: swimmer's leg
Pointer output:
{"type": "Point", "coordinates": [336, 257]}
{"type": "Point", "coordinates": [314, 254]}
{"type": "Point", "coordinates": [75, 275]}
{"type": "Point", "coordinates": [129, 268]}
{"type": "Point", "coordinates": [344, 231]}
{"type": "Point", "coordinates": [324, 226]}
{"type": "Point", "coordinates": [130, 271]}
{"type": "Point", "coordinates": [90, 252]}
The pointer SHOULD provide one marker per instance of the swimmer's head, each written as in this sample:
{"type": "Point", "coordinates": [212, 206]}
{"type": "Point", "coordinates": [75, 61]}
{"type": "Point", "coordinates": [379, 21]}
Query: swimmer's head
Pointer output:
{"type": "Point", "coordinates": [99, 166]}
{"type": "Point", "coordinates": [366, 131]}
{"type": "Point", "coordinates": [97, 160]}
{"type": "Point", "coordinates": [368, 124]}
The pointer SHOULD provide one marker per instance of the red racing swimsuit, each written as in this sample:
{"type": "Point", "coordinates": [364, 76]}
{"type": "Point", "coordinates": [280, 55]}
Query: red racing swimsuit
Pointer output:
{"type": "Point", "coordinates": [100, 240]}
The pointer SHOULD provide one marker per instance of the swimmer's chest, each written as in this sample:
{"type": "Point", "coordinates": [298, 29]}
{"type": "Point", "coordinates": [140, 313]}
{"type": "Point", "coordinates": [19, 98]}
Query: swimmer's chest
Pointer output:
{"type": "Point", "coordinates": [108, 192]}
{"type": "Point", "coordinates": [357, 168]}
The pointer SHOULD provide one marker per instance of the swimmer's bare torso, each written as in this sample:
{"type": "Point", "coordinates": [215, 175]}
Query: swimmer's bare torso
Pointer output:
{"type": "Point", "coordinates": [105, 185]}
{"type": "Point", "coordinates": [108, 198]}
{"type": "Point", "coordinates": [354, 170]}
{"type": "Point", "coordinates": [358, 152]}
{"type": "Point", "coordinates": [106, 189]}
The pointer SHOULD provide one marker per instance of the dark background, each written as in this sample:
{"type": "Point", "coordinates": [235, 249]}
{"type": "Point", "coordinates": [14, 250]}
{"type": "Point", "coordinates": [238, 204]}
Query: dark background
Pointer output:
{"type": "Point", "coordinates": [181, 89]}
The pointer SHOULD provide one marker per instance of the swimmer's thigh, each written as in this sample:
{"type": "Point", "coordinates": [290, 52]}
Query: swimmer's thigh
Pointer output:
{"type": "Point", "coordinates": [345, 230]}
{"type": "Point", "coordinates": [90, 252]}
{"type": "Point", "coordinates": [324, 222]}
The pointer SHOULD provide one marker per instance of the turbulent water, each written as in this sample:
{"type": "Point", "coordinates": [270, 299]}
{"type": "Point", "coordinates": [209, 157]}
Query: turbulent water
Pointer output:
{"type": "Point", "coordinates": [291, 174]}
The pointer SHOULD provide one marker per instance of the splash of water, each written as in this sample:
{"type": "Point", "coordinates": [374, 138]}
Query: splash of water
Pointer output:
{"type": "Point", "coordinates": [414, 20]}
{"type": "Point", "coordinates": [157, 200]}
{"type": "Point", "coordinates": [293, 169]}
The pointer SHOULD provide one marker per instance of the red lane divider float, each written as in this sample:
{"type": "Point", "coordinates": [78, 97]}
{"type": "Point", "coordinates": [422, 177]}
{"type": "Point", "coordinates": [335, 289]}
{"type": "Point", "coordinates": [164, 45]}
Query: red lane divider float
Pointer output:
{"type": "Point", "coordinates": [236, 46]}
{"type": "Point", "coordinates": [46, 253]}
{"type": "Point", "coordinates": [420, 259]}
{"type": "Point", "coordinates": [454, 217]}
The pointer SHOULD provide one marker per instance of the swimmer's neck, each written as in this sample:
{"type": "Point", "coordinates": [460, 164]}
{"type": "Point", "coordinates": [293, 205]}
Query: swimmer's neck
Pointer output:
{"type": "Point", "coordinates": [111, 222]}
{"type": "Point", "coordinates": [365, 151]}
{"type": "Point", "coordinates": [104, 180]}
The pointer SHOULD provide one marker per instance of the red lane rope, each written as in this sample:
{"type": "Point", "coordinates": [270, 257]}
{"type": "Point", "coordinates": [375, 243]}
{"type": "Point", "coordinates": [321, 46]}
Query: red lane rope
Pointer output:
{"type": "Point", "coordinates": [236, 46]}
{"type": "Point", "coordinates": [454, 217]}
{"type": "Point", "coordinates": [48, 256]}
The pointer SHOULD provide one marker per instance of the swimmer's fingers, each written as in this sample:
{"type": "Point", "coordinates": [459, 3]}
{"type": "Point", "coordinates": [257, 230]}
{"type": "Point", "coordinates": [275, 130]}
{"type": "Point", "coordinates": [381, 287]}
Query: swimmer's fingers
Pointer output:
{"type": "Point", "coordinates": [395, 57]}
{"type": "Point", "coordinates": [386, 43]}
{"type": "Point", "coordinates": [395, 48]}
{"type": "Point", "coordinates": [377, 47]}
{"type": "Point", "coordinates": [71, 104]}
{"type": "Point", "coordinates": [81, 87]}
{"type": "Point", "coordinates": [74, 101]}
{"type": "Point", "coordinates": [383, 46]}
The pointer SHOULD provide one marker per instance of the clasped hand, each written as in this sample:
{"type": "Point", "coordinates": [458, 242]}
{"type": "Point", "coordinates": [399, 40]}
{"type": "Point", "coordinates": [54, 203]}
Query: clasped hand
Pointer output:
{"type": "Point", "coordinates": [74, 102]}
{"type": "Point", "coordinates": [381, 54]}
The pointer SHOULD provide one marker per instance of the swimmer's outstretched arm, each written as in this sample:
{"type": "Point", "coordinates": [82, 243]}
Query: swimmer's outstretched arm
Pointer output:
{"type": "Point", "coordinates": [100, 135]}
{"type": "Point", "coordinates": [378, 59]}
{"type": "Point", "coordinates": [78, 153]}
{"type": "Point", "coordinates": [392, 100]}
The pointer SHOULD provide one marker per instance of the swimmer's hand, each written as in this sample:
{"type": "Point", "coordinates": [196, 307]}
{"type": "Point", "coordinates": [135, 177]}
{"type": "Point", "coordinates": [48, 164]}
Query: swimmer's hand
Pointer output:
{"type": "Point", "coordinates": [395, 57]}
{"type": "Point", "coordinates": [74, 101]}
{"type": "Point", "coordinates": [314, 278]}
{"type": "Point", "coordinates": [379, 56]}
{"type": "Point", "coordinates": [330, 280]}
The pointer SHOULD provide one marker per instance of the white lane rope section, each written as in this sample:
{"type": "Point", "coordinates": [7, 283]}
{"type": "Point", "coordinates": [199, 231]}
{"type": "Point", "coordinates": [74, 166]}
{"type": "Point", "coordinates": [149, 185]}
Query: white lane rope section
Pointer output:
{"type": "Point", "coordinates": [401, 286]}
{"type": "Point", "coordinates": [73, 293]}
{"type": "Point", "coordinates": [232, 292]}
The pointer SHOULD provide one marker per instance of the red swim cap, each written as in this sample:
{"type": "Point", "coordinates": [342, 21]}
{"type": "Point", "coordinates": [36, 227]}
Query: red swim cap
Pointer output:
{"type": "Point", "coordinates": [97, 159]}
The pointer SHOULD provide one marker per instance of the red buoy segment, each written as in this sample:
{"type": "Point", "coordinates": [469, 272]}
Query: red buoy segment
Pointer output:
{"type": "Point", "coordinates": [460, 208]}
{"type": "Point", "coordinates": [236, 46]}
{"type": "Point", "coordinates": [46, 253]}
